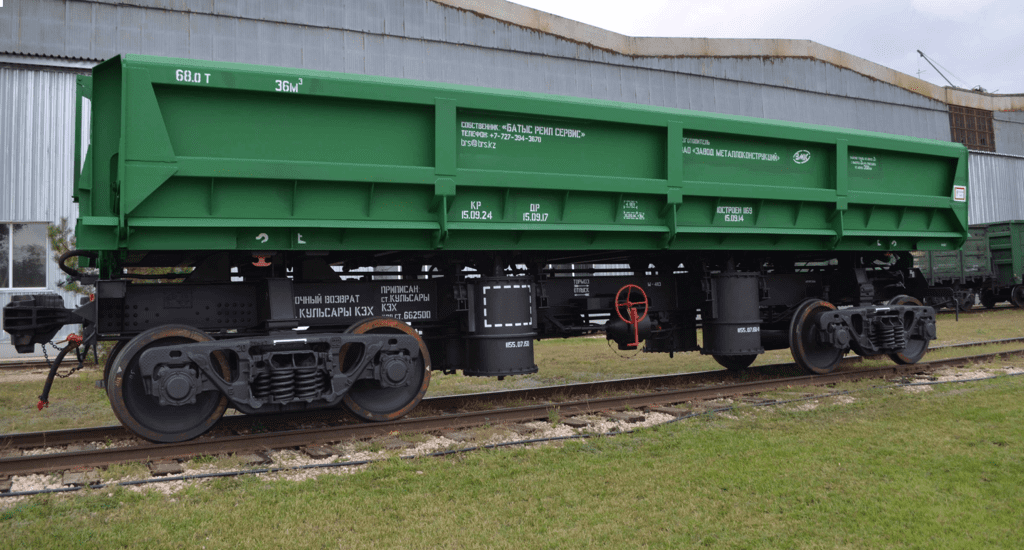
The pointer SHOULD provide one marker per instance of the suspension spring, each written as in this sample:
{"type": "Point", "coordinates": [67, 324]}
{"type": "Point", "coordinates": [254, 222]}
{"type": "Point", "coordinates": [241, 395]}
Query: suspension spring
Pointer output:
{"type": "Point", "coordinates": [899, 336]}
{"type": "Point", "coordinates": [261, 386]}
{"type": "Point", "coordinates": [885, 336]}
{"type": "Point", "coordinates": [282, 384]}
{"type": "Point", "coordinates": [308, 383]}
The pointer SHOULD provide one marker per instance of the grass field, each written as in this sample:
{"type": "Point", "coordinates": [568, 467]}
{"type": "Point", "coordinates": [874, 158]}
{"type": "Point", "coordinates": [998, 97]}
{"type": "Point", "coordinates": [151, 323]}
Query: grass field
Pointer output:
{"type": "Point", "coordinates": [888, 468]}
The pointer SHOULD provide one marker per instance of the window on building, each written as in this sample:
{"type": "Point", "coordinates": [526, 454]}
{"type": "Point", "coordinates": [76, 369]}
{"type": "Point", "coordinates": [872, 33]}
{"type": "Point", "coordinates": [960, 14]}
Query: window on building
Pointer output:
{"type": "Point", "coordinates": [972, 127]}
{"type": "Point", "coordinates": [23, 251]}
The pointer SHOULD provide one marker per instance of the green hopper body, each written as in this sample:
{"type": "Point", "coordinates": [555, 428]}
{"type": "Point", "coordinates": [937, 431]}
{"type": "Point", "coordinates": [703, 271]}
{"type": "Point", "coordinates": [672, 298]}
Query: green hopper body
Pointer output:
{"type": "Point", "coordinates": [196, 155]}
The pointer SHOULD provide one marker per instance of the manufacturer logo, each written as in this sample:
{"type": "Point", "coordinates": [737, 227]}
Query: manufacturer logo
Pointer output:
{"type": "Point", "coordinates": [801, 156]}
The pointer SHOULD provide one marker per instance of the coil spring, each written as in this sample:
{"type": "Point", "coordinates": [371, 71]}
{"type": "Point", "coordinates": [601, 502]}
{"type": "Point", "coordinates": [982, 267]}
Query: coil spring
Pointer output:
{"type": "Point", "coordinates": [282, 384]}
{"type": "Point", "coordinates": [885, 336]}
{"type": "Point", "coordinates": [261, 386]}
{"type": "Point", "coordinates": [308, 383]}
{"type": "Point", "coordinates": [900, 338]}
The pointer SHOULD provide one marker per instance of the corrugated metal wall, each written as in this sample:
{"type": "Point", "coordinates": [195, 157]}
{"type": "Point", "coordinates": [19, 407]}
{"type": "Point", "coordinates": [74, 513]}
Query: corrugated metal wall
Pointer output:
{"type": "Point", "coordinates": [1009, 129]}
{"type": "Point", "coordinates": [37, 125]}
{"type": "Point", "coordinates": [996, 188]}
{"type": "Point", "coordinates": [424, 40]}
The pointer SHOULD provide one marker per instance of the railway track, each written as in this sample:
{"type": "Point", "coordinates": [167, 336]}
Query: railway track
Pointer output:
{"type": "Point", "coordinates": [571, 400]}
{"type": "Point", "coordinates": [976, 309]}
{"type": "Point", "coordinates": [233, 425]}
{"type": "Point", "coordinates": [29, 365]}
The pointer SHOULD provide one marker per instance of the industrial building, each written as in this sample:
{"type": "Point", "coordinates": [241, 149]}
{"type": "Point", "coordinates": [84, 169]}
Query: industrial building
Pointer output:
{"type": "Point", "coordinates": [44, 44]}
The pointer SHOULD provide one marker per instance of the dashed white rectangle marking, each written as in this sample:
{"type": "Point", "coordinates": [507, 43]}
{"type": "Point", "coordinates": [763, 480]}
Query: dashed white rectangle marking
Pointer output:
{"type": "Point", "coordinates": [488, 324]}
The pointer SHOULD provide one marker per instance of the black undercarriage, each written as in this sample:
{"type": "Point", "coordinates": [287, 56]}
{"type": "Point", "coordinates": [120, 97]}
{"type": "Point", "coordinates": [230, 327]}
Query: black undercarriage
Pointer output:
{"type": "Point", "coordinates": [290, 331]}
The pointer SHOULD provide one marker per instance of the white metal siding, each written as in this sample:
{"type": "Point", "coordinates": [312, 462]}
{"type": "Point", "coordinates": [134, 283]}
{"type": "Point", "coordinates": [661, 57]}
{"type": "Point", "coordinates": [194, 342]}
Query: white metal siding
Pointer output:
{"type": "Point", "coordinates": [37, 126]}
{"type": "Point", "coordinates": [996, 188]}
{"type": "Point", "coordinates": [1009, 130]}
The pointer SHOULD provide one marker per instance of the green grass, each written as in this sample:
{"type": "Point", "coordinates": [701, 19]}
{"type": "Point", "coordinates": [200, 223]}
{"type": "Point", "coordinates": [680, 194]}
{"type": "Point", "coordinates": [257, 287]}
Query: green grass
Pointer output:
{"type": "Point", "coordinates": [121, 472]}
{"type": "Point", "coordinates": [938, 469]}
{"type": "Point", "coordinates": [987, 325]}
{"type": "Point", "coordinates": [75, 402]}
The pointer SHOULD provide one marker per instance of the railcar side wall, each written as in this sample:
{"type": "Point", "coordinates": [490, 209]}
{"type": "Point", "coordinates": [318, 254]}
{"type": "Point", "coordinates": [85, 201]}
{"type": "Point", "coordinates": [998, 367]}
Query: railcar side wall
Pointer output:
{"type": "Point", "coordinates": [190, 155]}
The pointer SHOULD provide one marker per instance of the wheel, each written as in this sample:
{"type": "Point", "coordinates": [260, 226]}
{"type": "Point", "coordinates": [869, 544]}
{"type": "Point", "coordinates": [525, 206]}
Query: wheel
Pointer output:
{"type": "Point", "coordinates": [915, 348]}
{"type": "Point", "coordinates": [735, 362]}
{"type": "Point", "coordinates": [803, 338]}
{"type": "Point", "coordinates": [111, 355]}
{"type": "Point", "coordinates": [141, 412]}
{"type": "Point", "coordinates": [1017, 296]}
{"type": "Point", "coordinates": [988, 299]}
{"type": "Point", "coordinates": [367, 399]}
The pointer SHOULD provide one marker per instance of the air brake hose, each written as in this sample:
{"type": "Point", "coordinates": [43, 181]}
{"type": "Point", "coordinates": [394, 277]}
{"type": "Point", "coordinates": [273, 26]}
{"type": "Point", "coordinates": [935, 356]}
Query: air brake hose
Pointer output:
{"type": "Point", "coordinates": [77, 275]}
{"type": "Point", "coordinates": [74, 273]}
{"type": "Point", "coordinates": [73, 342]}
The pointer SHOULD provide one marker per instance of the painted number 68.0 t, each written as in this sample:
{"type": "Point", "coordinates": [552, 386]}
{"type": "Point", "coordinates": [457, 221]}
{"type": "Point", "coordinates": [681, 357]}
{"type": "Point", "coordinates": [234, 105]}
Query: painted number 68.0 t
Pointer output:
{"type": "Point", "coordinates": [185, 75]}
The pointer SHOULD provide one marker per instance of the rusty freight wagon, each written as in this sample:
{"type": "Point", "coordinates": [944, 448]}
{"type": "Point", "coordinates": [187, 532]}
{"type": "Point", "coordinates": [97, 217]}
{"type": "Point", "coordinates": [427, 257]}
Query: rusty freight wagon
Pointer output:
{"type": "Point", "coordinates": [334, 239]}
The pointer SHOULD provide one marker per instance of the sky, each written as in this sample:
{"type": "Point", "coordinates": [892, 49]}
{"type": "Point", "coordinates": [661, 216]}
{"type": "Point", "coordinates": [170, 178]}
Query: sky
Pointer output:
{"type": "Point", "coordinates": [973, 42]}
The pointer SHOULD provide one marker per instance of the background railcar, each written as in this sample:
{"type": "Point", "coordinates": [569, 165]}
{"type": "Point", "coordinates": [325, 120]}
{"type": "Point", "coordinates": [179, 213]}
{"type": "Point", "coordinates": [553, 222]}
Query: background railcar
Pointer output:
{"type": "Point", "coordinates": [989, 267]}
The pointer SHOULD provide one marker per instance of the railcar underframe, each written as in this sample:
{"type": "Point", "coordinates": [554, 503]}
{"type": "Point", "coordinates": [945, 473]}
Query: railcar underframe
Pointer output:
{"type": "Point", "coordinates": [285, 331]}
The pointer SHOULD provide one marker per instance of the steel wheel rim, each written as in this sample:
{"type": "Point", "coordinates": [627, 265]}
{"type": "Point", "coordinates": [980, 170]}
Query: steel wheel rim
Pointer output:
{"type": "Point", "coordinates": [108, 365]}
{"type": "Point", "coordinates": [141, 413]}
{"type": "Point", "coordinates": [1017, 296]}
{"type": "Point", "coordinates": [915, 348]}
{"type": "Point", "coordinates": [988, 299]}
{"type": "Point", "coordinates": [803, 331]}
{"type": "Point", "coordinates": [912, 353]}
{"type": "Point", "coordinates": [366, 399]}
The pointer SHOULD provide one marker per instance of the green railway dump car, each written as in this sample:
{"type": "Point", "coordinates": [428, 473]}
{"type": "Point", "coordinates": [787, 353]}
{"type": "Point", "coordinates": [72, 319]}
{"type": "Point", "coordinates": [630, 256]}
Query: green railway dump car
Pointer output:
{"type": "Point", "coordinates": [335, 238]}
{"type": "Point", "coordinates": [989, 266]}
{"type": "Point", "coordinates": [190, 155]}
